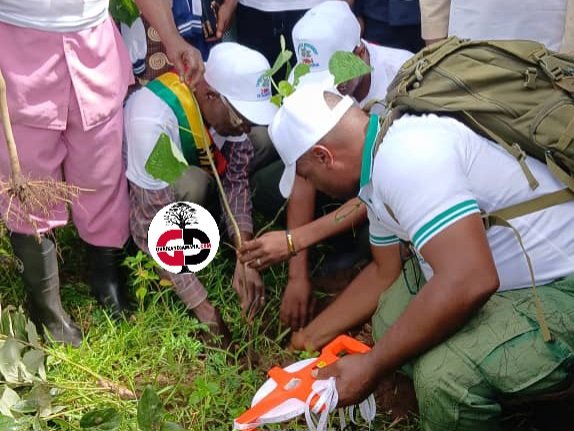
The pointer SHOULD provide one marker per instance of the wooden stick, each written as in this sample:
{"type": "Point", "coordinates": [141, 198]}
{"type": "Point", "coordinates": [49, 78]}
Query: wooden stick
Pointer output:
{"type": "Point", "coordinates": [9, 134]}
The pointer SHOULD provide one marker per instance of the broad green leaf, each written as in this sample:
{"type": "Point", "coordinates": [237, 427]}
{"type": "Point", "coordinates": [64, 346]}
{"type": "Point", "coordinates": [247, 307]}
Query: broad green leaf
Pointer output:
{"type": "Point", "coordinates": [282, 58]}
{"type": "Point", "coordinates": [32, 334]}
{"type": "Point", "coordinates": [141, 293]}
{"type": "Point", "coordinates": [10, 360]}
{"type": "Point", "coordinates": [8, 424]}
{"type": "Point", "coordinates": [171, 426]}
{"type": "Point", "coordinates": [150, 411]}
{"type": "Point", "coordinates": [276, 100]}
{"type": "Point", "coordinates": [19, 322]}
{"type": "Point", "coordinates": [33, 360]}
{"type": "Point", "coordinates": [285, 89]}
{"type": "Point", "coordinates": [165, 161]}
{"type": "Point", "coordinates": [101, 420]}
{"type": "Point", "coordinates": [300, 70]}
{"type": "Point", "coordinates": [124, 11]}
{"type": "Point", "coordinates": [345, 66]}
{"type": "Point", "coordinates": [25, 407]}
{"type": "Point", "coordinates": [7, 400]}
{"type": "Point", "coordinates": [41, 397]}
{"type": "Point", "coordinates": [38, 424]}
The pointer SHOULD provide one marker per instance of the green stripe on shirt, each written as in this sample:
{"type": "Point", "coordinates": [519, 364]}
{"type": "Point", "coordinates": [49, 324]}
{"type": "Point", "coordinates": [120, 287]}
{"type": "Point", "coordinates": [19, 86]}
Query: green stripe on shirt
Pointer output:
{"type": "Point", "coordinates": [383, 240]}
{"type": "Point", "coordinates": [437, 223]}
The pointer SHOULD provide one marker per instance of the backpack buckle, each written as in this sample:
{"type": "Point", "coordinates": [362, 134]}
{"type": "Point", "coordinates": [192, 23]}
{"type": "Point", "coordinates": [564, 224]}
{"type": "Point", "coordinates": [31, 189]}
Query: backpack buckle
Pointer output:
{"type": "Point", "coordinates": [553, 70]}
{"type": "Point", "coordinates": [530, 76]}
{"type": "Point", "coordinates": [486, 219]}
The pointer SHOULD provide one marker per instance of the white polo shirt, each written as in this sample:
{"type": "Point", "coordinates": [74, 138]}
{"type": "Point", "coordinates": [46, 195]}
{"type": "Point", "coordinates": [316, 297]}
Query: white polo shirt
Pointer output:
{"type": "Point", "coordinates": [146, 117]}
{"type": "Point", "coordinates": [50, 15]}
{"type": "Point", "coordinates": [386, 62]}
{"type": "Point", "coordinates": [433, 171]}
{"type": "Point", "coordinates": [280, 5]}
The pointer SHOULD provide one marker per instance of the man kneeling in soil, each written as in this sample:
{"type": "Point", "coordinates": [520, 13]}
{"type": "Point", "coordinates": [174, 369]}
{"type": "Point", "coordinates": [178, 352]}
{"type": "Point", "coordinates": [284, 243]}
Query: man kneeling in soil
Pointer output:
{"type": "Point", "coordinates": [470, 336]}
{"type": "Point", "coordinates": [233, 95]}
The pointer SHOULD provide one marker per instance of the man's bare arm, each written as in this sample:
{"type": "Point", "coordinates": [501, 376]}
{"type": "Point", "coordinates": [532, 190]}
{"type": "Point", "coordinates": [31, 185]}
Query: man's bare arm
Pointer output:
{"type": "Point", "coordinates": [186, 59]}
{"type": "Point", "coordinates": [464, 278]}
{"type": "Point", "coordinates": [356, 304]}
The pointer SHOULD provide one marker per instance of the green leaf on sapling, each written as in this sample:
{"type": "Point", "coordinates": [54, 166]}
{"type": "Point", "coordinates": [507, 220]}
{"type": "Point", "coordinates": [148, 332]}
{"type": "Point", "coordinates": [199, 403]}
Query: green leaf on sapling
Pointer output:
{"type": "Point", "coordinates": [166, 162]}
{"type": "Point", "coordinates": [345, 66]}
{"type": "Point", "coordinates": [300, 70]}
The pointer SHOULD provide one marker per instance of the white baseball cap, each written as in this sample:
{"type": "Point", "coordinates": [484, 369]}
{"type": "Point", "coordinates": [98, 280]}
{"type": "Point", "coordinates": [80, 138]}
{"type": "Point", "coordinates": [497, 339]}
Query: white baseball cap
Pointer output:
{"type": "Point", "coordinates": [302, 121]}
{"type": "Point", "coordinates": [239, 74]}
{"type": "Point", "coordinates": [324, 29]}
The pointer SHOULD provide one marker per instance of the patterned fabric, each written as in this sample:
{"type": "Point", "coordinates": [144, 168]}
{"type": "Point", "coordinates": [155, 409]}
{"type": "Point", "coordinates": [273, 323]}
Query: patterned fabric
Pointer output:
{"type": "Point", "coordinates": [146, 203]}
{"type": "Point", "coordinates": [236, 184]}
{"type": "Point", "coordinates": [144, 206]}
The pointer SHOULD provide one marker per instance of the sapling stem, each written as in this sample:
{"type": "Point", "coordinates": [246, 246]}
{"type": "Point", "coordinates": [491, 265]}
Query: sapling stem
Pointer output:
{"type": "Point", "coordinates": [226, 206]}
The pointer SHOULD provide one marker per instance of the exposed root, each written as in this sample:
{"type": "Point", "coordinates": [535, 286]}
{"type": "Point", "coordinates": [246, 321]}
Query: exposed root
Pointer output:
{"type": "Point", "coordinates": [29, 199]}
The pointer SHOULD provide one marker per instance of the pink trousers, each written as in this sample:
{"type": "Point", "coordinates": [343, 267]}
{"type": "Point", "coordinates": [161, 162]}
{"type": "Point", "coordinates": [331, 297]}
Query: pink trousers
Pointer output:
{"type": "Point", "coordinates": [88, 159]}
{"type": "Point", "coordinates": [65, 94]}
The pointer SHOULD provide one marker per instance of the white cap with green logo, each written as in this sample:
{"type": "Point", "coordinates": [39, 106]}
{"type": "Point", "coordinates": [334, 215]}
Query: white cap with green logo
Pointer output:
{"type": "Point", "coordinates": [239, 74]}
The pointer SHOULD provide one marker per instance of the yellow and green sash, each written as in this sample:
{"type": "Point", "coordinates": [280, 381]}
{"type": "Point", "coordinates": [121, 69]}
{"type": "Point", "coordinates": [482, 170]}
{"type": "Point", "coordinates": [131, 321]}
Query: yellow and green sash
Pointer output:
{"type": "Point", "coordinates": [192, 133]}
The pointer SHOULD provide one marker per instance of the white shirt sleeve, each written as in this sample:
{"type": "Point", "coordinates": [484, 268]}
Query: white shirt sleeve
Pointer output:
{"type": "Point", "coordinates": [422, 176]}
{"type": "Point", "coordinates": [379, 235]}
{"type": "Point", "coordinates": [146, 117]}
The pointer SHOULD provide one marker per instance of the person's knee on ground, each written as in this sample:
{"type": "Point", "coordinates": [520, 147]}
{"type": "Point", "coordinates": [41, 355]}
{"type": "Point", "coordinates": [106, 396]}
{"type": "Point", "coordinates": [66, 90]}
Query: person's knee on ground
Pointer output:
{"type": "Point", "coordinates": [452, 394]}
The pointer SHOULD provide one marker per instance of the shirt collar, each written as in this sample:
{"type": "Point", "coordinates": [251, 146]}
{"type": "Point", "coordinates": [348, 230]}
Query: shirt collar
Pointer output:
{"type": "Point", "coordinates": [369, 150]}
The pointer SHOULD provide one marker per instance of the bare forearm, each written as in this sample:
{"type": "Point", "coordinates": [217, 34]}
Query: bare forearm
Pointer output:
{"type": "Point", "coordinates": [300, 211]}
{"type": "Point", "coordinates": [350, 215]}
{"type": "Point", "coordinates": [301, 205]}
{"type": "Point", "coordinates": [158, 13]}
{"type": "Point", "coordinates": [355, 305]}
{"type": "Point", "coordinates": [435, 313]}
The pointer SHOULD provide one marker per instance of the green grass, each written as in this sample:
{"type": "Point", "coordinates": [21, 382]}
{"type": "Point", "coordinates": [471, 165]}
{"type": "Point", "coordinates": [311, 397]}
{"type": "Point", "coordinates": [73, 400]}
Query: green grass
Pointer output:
{"type": "Point", "coordinates": [202, 388]}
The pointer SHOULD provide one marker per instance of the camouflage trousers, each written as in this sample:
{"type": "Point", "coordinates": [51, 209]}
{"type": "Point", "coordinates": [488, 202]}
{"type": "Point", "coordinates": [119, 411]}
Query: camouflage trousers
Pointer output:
{"type": "Point", "coordinates": [498, 355]}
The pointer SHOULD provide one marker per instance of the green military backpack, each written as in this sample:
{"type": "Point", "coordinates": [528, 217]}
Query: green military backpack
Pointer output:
{"type": "Point", "coordinates": [518, 93]}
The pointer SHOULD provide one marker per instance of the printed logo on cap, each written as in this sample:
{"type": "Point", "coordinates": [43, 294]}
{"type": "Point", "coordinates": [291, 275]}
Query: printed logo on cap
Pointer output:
{"type": "Point", "coordinates": [183, 237]}
{"type": "Point", "coordinates": [308, 54]}
{"type": "Point", "coordinates": [263, 87]}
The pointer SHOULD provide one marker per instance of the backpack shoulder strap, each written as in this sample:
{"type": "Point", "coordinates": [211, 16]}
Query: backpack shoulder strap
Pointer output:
{"type": "Point", "coordinates": [530, 206]}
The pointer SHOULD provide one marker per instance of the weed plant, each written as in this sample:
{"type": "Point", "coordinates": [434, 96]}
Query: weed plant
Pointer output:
{"type": "Point", "coordinates": [200, 387]}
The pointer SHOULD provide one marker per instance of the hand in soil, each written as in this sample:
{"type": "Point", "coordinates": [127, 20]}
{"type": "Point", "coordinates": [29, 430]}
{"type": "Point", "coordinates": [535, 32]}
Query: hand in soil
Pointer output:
{"type": "Point", "coordinates": [356, 377]}
{"type": "Point", "coordinates": [300, 341]}
{"type": "Point", "coordinates": [267, 250]}
{"type": "Point", "coordinates": [249, 288]}
{"type": "Point", "coordinates": [297, 303]}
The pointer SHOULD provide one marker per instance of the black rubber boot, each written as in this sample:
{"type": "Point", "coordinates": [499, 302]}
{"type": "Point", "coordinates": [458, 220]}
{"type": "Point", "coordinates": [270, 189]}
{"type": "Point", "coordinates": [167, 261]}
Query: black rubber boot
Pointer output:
{"type": "Point", "coordinates": [107, 280]}
{"type": "Point", "coordinates": [40, 274]}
